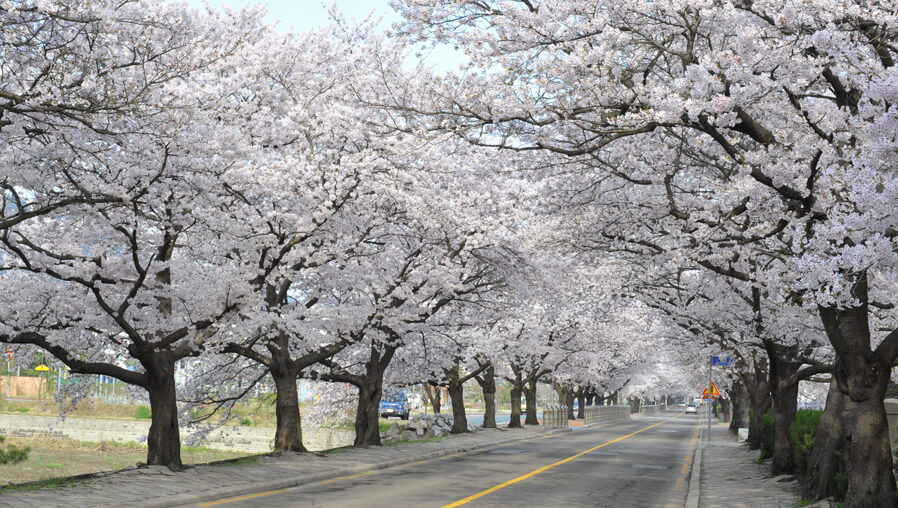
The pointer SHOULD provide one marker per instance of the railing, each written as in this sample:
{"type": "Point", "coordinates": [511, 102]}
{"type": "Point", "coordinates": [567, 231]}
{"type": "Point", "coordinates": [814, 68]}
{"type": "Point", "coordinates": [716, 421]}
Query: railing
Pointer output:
{"type": "Point", "coordinates": [652, 410]}
{"type": "Point", "coordinates": [555, 417]}
{"type": "Point", "coordinates": [606, 414]}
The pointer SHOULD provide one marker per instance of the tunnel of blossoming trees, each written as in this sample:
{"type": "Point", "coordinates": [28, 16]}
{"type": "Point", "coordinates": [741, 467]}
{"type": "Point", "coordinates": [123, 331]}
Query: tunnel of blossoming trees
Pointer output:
{"type": "Point", "coordinates": [609, 193]}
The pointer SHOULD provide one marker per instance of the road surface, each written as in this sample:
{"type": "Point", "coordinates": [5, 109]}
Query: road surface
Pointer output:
{"type": "Point", "coordinates": [641, 463]}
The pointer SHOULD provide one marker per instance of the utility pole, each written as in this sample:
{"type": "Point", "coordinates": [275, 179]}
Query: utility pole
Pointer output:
{"type": "Point", "coordinates": [710, 396]}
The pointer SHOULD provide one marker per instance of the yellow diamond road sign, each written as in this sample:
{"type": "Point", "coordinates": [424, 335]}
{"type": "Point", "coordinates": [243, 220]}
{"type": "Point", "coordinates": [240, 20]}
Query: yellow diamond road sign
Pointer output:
{"type": "Point", "coordinates": [714, 392]}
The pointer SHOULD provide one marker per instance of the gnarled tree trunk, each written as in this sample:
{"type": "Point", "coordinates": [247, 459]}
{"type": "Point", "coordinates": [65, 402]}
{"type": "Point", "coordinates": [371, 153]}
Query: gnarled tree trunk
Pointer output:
{"type": "Point", "coordinates": [784, 391]}
{"type": "Point", "coordinates": [433, 393]}
{"type": "Point", "coordinates": [367, 415]}
{"type": "Point", "coordinates": [581, 401]}
{"type": "Point", "coordinates": [864, 375]}
{"type": "Point", "coordinates": [530, 393]}
{"type": "Point", "coordinates": [163, 439]}
{"type": "Point", "coordinates": [823, 462]}
{"type": "Point", "coordinates": [487, 382]}
{"type": "Point", "coordinates": [757, 386]}
{"type": "Point", "coordinates": [457, 396]}
{"type": "Point", "coordinates": [516, 390]}
{"type": "Point", "coordinates": [741, 406]}
{"type": "Point", "coordinates": [288, 428]}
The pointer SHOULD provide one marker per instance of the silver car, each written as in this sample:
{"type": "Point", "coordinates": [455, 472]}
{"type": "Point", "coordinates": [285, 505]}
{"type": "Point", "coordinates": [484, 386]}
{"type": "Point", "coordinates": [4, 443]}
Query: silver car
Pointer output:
{"type": "Point", "coordinates": [691, 408]}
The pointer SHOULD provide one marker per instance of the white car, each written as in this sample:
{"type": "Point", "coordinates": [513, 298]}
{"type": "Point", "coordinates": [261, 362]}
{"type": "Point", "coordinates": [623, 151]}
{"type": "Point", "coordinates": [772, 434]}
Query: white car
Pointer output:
{"type": "Point", "coordinates": [690, 408]}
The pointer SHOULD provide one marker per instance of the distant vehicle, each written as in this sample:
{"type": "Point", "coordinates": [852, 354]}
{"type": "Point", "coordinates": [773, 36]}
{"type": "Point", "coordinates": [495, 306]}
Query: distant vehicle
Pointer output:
{"type": "Point", "coordinates": [691, 408]}
{"type": "Point", "coordinates": [394, 403]}
{"type": "Point", "coordinates": [682, 403]}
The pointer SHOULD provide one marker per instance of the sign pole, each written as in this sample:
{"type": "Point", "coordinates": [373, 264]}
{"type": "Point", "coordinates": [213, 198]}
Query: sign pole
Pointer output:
{"type": "Point", "coordinates": [710, 397]}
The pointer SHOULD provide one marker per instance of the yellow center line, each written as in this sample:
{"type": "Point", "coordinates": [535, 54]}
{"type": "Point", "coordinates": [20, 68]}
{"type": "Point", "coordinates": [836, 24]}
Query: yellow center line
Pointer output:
{"type": "Point", "coordinates": [535, 472]}
{"type": "Point", "coordinates": [243, 498]}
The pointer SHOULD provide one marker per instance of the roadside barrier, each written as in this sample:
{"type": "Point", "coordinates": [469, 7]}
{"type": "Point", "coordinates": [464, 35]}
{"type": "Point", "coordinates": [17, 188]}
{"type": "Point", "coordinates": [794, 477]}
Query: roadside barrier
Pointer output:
{"type": "Point", "coordinates": [606, 414]}
{"type": "Point", "coordinates": [653, 410]}
{"type": "Point", "coordinates": [555, 417]}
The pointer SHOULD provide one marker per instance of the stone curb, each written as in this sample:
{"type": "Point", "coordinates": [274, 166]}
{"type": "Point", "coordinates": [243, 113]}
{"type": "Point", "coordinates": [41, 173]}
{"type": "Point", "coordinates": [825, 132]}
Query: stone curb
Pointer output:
{"type": "Point", "coordinates": [693, 492]}
{"type": "Point", "coordinates": [294, 481]}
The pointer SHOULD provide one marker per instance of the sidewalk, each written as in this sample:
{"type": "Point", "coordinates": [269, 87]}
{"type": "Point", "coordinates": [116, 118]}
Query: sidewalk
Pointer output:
{"type": "Point", "coordinates": [730, 476]}
{"type": "Point", "coordinates": [161, 487]}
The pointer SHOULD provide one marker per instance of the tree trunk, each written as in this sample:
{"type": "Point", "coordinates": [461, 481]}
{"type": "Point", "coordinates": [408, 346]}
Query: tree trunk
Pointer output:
{"type": "Point", "coordinates": [367, 415]}
{"type": "Point", "coordinates": [823, 463]}
{"type": "Point", "coordinates": [516, 389]}
{"type": "Point", "coordinates": [433, 396]}
{"type": "Point", "coordinates": [163, 439]}
{"type": "Point", "coordinates": [569, 402]}
{"type": "Point", "coordinates": [288, 429]}
{"type": "Point", "coordinates": [581, 401]}
{"type": "Point", "coordinates": [757, 386]}
{"type": "Point", "coordinates": [457, 396]}
{"type": "Point", "coordinates": [590, 398]}
{"type": "Point", "coordinates": [487, 382]}
{"type": "Point", "coordinates": [741, 406]}
{"type": "Point", "coordinates": [784, 391]}
{"type": "Point", "coordinates": [530, 393]}
{"type": "Point", "coordinates": [634, 404]}
{"type": "Point", "coordinates": [864, 374]}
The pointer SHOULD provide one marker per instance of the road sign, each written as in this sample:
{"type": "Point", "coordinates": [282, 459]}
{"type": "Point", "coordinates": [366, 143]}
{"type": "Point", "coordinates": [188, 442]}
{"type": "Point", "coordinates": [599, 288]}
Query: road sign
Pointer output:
{"type": "Point", "coordinates": [717, 361]}
{"type": "Point", "coordinates": [714, 392]}
{"type": "Point", "coordinates": [9, 354]}
{"type": "Point", "coordinates": [42, 367]}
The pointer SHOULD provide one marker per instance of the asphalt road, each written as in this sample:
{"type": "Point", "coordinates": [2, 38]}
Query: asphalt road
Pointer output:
{"type": "Point", "coordinates": [641, 463]}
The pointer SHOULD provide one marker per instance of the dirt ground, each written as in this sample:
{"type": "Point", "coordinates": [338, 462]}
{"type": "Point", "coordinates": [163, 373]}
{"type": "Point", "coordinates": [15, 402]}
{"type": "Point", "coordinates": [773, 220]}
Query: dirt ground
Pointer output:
{"type": "Point", "coordinates": [54, 458]}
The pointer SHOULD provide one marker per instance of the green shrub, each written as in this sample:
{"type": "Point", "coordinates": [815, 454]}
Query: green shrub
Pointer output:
{"type": "Point", "coordinates": [801, 434]}
{"type": "Point", "coordinates": [245, 421]}
{"type": "Point", "coordinates": [10, 454]}
{"type": "Point", "coordinates": [143, 413]}
{"type": "Point", "coordinates": [768, 435]}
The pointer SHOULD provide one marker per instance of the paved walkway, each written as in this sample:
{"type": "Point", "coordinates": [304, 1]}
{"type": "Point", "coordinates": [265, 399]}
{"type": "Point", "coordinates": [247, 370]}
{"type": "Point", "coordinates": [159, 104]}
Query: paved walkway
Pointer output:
{"type": "Point", "coordinates": [725, 474]}
{"type": "Point", "coordinates": [160, 487]}
{"type": "Point", "coordinates": [730, 476]}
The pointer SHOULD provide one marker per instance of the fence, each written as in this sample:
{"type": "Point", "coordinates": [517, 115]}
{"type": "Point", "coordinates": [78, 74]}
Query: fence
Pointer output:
{"type": "Point", "coordinates": [653, 410]}
{"type": "Point", "coordinates": [555, 417]}
{"type": "Point", "coordinates": [606, 414]}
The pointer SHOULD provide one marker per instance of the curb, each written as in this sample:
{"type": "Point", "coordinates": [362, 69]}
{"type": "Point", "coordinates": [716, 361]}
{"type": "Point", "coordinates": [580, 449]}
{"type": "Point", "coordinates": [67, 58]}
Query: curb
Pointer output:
{"type": "Point", "coordinates": [295, 481]}
{"type": "Point", "coordinates": [693, 494]}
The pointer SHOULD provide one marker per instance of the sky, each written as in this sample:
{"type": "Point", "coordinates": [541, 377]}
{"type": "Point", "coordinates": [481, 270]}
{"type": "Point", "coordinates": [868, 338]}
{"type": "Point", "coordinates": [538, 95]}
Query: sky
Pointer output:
{"type": "Point", "coordinates": [301, 15]}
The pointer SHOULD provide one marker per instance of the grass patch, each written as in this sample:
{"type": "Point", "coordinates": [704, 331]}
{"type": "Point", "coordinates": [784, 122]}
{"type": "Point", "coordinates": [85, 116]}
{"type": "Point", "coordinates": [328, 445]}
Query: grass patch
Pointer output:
{"type": "Point", "coordinates": [49, 483]}
{"type": "Point", "coordinates": [242, 461]}
{"type": "Point", "coordinates": [51, 458]}
{"type": "Point", "coordinates": [413, 441]}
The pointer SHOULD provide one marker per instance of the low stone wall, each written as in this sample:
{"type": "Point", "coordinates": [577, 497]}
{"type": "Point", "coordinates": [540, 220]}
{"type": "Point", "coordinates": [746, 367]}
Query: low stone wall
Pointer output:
{"type": "Point", "coordinates": [232, 438]}
{"type": "Point", "coordinates": [652, 410]}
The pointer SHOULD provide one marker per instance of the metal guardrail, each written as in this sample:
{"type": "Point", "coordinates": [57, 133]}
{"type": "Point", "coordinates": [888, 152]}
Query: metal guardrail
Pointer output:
{"type": "Point", "coordinates": [555, 417]}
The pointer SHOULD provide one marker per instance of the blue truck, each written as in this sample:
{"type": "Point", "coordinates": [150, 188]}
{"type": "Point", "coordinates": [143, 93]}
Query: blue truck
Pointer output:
{"type": "Point", "coordinates": [394, 403]}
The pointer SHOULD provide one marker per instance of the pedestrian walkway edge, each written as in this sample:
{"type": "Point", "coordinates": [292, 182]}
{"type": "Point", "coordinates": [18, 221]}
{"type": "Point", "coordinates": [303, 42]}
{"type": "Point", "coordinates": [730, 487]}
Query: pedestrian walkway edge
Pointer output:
{"type": "Point", "coordinates": [295, 481]}
{"type": "Point", "coordinates": [694, 493]}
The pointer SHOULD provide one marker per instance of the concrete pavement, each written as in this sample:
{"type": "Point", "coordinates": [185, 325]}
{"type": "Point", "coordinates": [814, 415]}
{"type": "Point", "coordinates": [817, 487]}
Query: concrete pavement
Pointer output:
{"type": "Point", "coordinates": [730, 476]}
{"type": "Point", "coordinates": [644, 462]}
{"type": "Point", "coordinates": [637, 463]}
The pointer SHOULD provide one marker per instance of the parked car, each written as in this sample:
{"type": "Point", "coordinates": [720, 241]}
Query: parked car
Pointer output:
{"type": "Point", "coordinates": [682, 403]}
{"type": "Point", "coordinates": [691, 408]}
{"type": "Point", "coordinates": [394, 403]}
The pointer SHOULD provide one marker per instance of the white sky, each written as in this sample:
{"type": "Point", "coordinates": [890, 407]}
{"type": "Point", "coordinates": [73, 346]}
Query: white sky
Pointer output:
{"type": "Point", "coordinates": [301, 15]}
